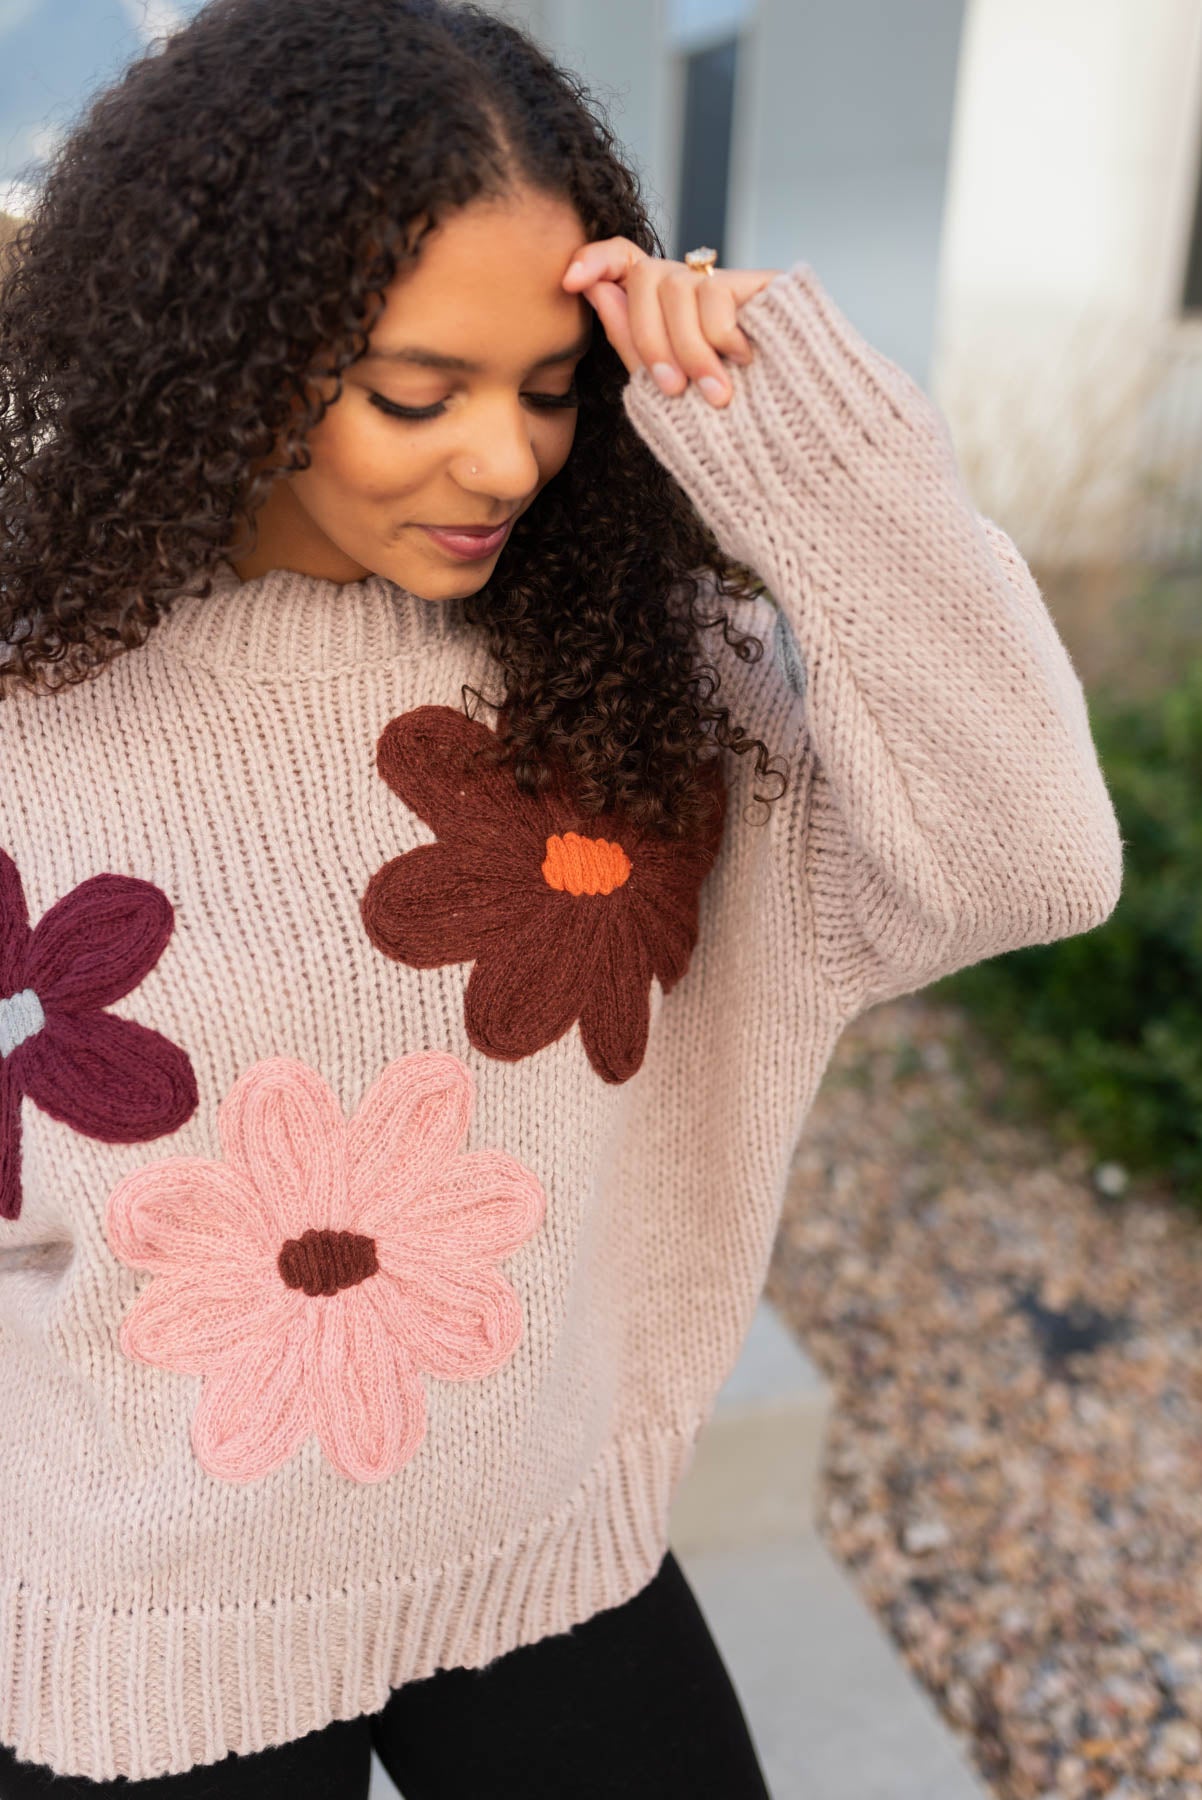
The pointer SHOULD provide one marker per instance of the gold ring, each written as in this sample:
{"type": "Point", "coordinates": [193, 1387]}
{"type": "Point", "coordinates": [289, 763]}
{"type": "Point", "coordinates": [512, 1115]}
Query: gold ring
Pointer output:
{"type": "Point", "coordinates": [703, 258]}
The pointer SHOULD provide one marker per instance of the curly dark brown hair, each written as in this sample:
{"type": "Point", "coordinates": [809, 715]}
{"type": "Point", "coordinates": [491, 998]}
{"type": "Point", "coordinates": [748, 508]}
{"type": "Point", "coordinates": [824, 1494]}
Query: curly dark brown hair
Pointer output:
{"type": "Point", "coordinates": [220, 224]}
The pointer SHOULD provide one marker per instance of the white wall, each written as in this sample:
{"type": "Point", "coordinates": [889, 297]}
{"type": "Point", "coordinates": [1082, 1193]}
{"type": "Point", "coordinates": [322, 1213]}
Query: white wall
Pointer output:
{"type": "Point", "coordinates": [1075, 153]}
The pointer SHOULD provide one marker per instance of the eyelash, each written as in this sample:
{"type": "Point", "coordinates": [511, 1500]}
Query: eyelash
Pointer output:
{"type": "Point", "coordinates": [417, 413]}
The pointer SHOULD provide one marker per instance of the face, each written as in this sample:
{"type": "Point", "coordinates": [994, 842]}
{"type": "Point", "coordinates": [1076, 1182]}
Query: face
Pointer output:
{"type": "Point", "coordinates": [458, 416]}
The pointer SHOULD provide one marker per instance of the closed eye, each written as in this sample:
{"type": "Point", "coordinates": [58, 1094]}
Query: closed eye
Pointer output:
{"type": "Point", "coordinates": [396, 411]}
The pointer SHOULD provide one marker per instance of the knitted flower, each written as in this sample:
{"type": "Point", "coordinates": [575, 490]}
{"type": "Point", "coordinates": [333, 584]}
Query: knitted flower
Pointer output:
{"type": "Point", "coordinates": [314, 1273]}
{"type": "Point", "coordinates": [564, 916]}
{"type": "Point", "coordinates": [107, 1077]}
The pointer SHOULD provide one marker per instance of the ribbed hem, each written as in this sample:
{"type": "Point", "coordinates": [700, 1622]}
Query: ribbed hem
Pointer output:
{"type": "Point", "coordinates": [156, 1693]}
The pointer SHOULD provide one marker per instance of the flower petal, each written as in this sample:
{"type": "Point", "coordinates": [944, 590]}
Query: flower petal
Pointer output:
{"type": "Point", "coordinates": [282, 1124]}
{"type": "Point", "coordinates": [664, 896]}
{"type": "Point", "coordinates": [10, 1142]}
{"type": "Point", "coordinates": [457, 1323]}
{"type": "Point", "coordinates": [442, 904]}
{"type": "Point", "coordinates": [616, 1016]}
{"type": "Point", "coordinates": [98, 942]}
{"type": "Point", "coordinates": [524, 994]}
{"type": "Point", "coordinates": [109, 1078]}
{"type": "Point", "coordinates": [669, 924]}
{"type": "Point", "coordinates": [485, 1204]}
{"type": "Point", "coordinates": [430, 759]}
{"type": "Point", "coordinates": [405, 1131]}
{"type": "Point", "coordinates": [14, 928]}
{"type": "Point", "coordinates": [255, 1409]}
{"type": "Point", "coordinates": [369, 1403]}
{"type": "Point", "coordinates": [188, 1212]}
{"type": "Point", "coordinates": [190, 1323]}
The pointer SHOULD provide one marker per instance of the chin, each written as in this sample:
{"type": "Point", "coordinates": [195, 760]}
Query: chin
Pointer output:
{"type": "Point", "coordinates": [451, 584]}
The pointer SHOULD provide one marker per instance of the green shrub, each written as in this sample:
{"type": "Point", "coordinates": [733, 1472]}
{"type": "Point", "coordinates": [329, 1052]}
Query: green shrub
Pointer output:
{"type": "Point", "coordinates": [1103, 1032]}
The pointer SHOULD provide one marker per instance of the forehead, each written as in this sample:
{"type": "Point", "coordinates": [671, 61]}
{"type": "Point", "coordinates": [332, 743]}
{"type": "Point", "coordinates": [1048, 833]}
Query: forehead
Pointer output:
{"type": "Point", "coordinates": [487, 285]}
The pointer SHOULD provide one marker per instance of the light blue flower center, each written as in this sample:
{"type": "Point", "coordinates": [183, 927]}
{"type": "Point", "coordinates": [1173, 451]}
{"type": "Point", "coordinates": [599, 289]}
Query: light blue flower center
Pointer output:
{"type": "Point", "coordinates": [20, 1016]}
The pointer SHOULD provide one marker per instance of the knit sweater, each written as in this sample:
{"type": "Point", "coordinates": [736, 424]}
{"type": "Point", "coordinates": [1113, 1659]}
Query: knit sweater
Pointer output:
{"type": "Point", "coordinates": [390, 1161]}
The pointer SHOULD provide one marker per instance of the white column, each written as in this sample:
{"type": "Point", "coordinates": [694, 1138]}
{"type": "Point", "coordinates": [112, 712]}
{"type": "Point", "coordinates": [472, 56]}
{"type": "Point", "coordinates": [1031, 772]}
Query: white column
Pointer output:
{"type": "Point", "coordinates": [1075, 161]}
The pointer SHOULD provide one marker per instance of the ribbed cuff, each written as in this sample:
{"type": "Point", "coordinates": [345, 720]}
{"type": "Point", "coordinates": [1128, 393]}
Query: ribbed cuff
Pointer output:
{"type": "Point", "coordinates": [815, 420]}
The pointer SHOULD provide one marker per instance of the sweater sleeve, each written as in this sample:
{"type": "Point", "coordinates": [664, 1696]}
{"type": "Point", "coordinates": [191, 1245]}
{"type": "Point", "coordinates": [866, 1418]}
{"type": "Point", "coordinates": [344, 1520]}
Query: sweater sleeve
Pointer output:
{"type": "Point", "coordinates": [957, 809]}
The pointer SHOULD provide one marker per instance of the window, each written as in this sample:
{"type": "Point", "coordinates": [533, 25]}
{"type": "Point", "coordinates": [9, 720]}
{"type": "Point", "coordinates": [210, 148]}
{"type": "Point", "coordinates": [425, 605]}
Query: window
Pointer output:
{"type": "Point", "coordinates": [709, 95]}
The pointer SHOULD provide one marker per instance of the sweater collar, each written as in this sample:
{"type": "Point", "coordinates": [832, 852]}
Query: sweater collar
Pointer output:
{"type": "Point", "coordinates": [286, 623]}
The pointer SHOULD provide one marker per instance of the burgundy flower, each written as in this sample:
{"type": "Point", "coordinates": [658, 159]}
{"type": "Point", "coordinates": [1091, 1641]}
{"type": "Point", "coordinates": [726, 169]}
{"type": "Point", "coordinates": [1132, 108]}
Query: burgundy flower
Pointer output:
{"type": "Point", "coordinates": [564, 916]}
{"type": "Point", "coordinates": [109, 1078]}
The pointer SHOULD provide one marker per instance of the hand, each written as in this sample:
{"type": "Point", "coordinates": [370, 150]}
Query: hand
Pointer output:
{"type": "Point", "coordinates": [660, 313]}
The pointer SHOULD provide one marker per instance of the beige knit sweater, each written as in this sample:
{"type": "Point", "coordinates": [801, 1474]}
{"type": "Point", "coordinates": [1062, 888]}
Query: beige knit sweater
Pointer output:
{"type": "Point", "coordinates": [391, 1164]}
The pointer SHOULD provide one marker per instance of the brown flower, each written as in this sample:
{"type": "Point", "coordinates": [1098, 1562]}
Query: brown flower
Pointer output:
{"type": "Point", "coordinates": [564, 916]}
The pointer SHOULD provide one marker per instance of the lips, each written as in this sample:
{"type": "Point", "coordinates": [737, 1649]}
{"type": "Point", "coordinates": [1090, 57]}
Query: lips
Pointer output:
{"type": "Point", "coordinates": [470, 542]}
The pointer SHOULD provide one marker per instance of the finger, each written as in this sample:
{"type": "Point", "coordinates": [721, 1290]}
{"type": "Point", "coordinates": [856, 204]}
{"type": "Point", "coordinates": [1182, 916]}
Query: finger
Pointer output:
{"type": "Point", "coordinates": [718, 305]}
{"type": "Point", "coordinates": [745, 283]}
{"type": "Point", "coordinates": [649, 328]}
{"type": "Point", "coordinates": [608, 301]}
{"type": "Point", "coordinates": [603, 259]}
{"type": "Point", "coordinates": [691, 349]}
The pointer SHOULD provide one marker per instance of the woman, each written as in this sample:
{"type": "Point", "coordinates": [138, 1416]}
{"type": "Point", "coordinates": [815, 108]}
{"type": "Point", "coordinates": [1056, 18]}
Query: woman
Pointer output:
{"type": "Point", "coordinates": [411, 1002]}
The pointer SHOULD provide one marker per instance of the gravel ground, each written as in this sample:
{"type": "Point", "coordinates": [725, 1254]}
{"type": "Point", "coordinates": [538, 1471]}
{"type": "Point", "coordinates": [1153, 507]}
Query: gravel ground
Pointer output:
{"type": "Point", "coordinates": [1014, 1467]}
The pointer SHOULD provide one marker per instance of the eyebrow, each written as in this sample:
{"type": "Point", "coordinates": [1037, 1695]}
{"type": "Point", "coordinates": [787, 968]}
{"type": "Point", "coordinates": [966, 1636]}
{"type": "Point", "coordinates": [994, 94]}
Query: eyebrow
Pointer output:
{"type": "Point", "coordinates": [435, 359]}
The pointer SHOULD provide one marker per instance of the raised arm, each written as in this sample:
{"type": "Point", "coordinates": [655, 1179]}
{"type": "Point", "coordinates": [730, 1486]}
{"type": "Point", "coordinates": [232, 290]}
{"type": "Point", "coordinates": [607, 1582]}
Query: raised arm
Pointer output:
{"type": "Point", "coordinates": [958, 809]}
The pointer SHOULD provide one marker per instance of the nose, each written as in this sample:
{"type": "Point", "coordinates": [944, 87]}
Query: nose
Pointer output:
{"type": "Point", "coordinates": [499, 458]}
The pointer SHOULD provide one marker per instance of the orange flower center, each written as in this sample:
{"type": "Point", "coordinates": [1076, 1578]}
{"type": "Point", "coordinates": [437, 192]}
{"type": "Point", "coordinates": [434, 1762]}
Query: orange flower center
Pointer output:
{"type": "Point", "coordinates": [584, 865]}
{"type": "Point", "coordinates": [322, 1262]}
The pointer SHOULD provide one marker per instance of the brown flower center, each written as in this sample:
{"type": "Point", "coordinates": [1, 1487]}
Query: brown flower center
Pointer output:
{"type": "Point", "coordinates": [584, 865]}
{"type": "Point", "coordinates": [322, 1262]}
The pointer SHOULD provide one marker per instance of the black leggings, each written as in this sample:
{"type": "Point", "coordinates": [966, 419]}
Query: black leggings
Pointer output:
{"type": "Point", "coordinates": [636, 1701]}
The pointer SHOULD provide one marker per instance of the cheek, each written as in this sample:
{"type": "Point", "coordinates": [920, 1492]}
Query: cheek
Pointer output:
{"type": "Point", "coordinates": [356, 451]}
{"type": "Point", "coordinates": [554, 444]}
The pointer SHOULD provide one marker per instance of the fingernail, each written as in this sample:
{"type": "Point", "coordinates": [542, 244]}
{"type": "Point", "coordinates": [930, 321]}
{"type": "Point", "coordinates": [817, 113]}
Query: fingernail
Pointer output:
{"type": "Point", "coordinates": [666, 375]}
{"type": "Point", "coordinates": [712, 388]}
{"type": "Point", "coordinates": [576, 268]}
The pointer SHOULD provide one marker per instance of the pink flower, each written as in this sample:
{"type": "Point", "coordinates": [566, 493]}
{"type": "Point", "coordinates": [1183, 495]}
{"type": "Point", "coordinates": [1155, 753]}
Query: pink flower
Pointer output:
{"type": "Point", "coordinates": [314, 1274]}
